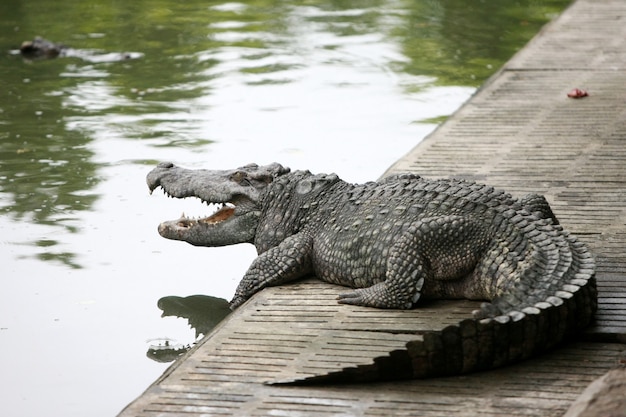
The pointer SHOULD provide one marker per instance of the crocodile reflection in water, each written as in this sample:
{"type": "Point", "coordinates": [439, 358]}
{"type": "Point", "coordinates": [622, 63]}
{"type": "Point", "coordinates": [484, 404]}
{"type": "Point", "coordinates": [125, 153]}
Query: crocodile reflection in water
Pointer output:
{"type": "Point", "coordinates": [202, 312]}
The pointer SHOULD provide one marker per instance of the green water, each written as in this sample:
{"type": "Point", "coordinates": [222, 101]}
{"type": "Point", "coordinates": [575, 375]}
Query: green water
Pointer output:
{"type": "Point", "coordinates": [343, 86]}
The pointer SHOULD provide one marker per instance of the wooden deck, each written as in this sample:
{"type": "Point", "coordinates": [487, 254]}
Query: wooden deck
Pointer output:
{"type": "Point", "coordinates": [521, 133]}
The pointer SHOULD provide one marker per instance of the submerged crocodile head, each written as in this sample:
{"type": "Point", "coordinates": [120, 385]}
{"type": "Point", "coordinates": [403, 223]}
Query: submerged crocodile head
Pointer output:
{"type": "Point", "coordinates": [236, 193]}
{"type": "Point", "coordinates": [41, 48]}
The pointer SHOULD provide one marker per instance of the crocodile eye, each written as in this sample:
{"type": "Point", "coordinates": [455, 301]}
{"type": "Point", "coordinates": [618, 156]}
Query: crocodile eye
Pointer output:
{"type": "Point", "coordinates": [238, 176]}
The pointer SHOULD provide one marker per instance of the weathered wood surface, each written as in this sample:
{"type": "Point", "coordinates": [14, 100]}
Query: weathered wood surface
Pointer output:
{"type": "Point", "coordinates": [227, 373]}
{"type": "Point", "coordinates": [521, 133]}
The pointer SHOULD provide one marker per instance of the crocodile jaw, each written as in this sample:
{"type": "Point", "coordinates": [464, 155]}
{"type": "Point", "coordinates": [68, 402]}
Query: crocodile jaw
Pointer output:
{"type": "Point", "coordinates": [235, 221]}
{"type": "Point", "coordinates": [225, 227]}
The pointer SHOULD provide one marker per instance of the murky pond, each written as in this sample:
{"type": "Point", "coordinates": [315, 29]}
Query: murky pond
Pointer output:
{"type": "Point", "coordinates": [329, 86]}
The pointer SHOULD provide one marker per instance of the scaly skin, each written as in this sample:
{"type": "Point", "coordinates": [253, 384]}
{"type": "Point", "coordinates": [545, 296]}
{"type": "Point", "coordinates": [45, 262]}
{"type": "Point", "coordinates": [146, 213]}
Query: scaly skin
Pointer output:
{"type": "Point", "coordinates": [399, 240]}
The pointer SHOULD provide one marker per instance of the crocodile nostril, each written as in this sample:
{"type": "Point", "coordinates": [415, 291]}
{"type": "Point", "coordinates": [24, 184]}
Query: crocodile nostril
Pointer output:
{"type": "Point", "coordinates": [166, 165]}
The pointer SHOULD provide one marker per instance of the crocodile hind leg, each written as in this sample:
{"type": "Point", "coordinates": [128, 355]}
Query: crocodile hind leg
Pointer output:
{"type": "Point", "coordinates": [388, 294]}
{"type": "Point", "coordinates": [432, 256]}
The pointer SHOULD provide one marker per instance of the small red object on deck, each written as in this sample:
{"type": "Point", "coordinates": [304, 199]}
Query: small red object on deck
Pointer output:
{"type": "Point", "coordinates": [577, 93]}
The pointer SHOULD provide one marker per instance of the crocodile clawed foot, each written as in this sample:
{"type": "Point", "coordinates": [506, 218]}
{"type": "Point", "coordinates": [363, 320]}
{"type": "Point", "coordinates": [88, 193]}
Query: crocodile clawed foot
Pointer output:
{"type": "Point", "coordinates": [236, 302]}
{"type": "Point", "coordinates": [374, 296]}
{"type": "Point", "coordinates": [353, 297]}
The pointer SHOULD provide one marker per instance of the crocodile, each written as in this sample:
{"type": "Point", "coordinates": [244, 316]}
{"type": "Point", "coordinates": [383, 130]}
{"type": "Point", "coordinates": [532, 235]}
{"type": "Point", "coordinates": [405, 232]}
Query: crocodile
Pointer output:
{"type": "Point", "coordinates": [40, 48]}
{"type": "Point", "coordinates": [396, 241]}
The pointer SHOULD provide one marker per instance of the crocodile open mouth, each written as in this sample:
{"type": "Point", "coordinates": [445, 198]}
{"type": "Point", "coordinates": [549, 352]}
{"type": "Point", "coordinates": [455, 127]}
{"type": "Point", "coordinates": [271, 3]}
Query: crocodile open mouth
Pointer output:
{"type": "Point", "coordinates": [224, 212]}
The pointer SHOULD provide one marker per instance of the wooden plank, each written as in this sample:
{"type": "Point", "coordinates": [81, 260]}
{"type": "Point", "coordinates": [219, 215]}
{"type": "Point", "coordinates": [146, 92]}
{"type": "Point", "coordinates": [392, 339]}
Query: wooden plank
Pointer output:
{"type": "Point", "coordinates": [542, 386]}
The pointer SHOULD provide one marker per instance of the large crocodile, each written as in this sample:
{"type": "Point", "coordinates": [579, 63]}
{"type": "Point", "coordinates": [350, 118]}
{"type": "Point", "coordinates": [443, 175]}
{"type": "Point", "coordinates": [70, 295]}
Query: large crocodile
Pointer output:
{"type": "Point", "coordinates": [396, 241]}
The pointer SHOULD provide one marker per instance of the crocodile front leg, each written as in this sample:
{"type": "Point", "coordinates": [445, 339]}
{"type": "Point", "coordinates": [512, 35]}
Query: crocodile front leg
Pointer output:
{"type": "Point", "coordinates": [288, 261]}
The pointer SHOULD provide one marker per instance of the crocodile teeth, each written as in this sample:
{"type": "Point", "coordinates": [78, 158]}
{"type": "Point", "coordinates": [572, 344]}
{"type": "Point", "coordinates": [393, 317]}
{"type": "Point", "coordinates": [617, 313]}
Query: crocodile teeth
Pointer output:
{"type": "Point", "coordinates": [219, 213]}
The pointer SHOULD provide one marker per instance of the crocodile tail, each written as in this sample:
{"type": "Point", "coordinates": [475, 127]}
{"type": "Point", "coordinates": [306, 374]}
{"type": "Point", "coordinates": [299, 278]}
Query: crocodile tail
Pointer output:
{"type": "Point", "coordinates": [554, 298]}
{"type": "Point", "coordinates": [539, 206]}
{"type": "Point", "coordinates": [552, 264]}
